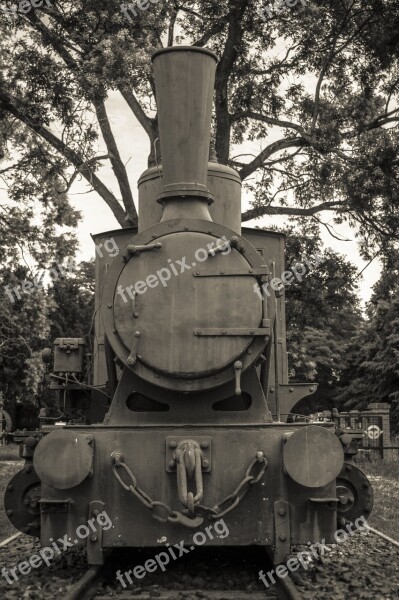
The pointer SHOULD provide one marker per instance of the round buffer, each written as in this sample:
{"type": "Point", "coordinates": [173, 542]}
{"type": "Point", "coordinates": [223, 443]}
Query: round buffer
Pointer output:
{"type": "Point", "coordinates": [313, 456]}
{"type": "Point", "coordinates": [63, 459]}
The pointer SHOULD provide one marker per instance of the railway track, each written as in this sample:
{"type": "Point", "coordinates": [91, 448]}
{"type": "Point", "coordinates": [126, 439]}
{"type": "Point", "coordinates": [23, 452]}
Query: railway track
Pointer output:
{"type": "Point", "coordinates": [92, 584]}
{"type": "Point", "coordinates": [206, 576]}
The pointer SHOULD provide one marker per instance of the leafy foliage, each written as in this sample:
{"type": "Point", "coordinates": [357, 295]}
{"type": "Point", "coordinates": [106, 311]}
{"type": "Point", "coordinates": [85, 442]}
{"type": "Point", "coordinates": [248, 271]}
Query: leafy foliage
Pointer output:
{"type": "Point", "coordinates": [29, 324]}
{"type": "Point", "coordinates": [372, 372]}
{"type": "Point", "coordinates": [24, 328]}
{"type": "Point", "coordinates": [73, 312]}
{"type": "Point", "coordinates": [314, 89]}
{"type": "Point", "coordinates": [323, 315]}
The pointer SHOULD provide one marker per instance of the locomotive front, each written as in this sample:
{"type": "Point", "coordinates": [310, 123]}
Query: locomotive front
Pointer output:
{"type": "Point", "coordinates": [195, 358]}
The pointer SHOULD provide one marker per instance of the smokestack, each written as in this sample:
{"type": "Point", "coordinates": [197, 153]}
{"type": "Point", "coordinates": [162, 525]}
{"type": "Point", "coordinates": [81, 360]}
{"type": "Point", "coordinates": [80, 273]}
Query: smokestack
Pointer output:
{"type": "Point", "coordinates": [184, 82]}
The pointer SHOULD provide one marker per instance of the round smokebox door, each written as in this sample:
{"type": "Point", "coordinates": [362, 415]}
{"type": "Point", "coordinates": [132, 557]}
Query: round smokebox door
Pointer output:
{"type": "Point", "coordinates": [168, 301]}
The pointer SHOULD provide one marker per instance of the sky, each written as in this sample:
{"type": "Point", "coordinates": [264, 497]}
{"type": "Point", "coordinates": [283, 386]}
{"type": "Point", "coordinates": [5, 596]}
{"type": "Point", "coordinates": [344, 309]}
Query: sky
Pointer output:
{"type": "Point", "coordinates": [134, 149]}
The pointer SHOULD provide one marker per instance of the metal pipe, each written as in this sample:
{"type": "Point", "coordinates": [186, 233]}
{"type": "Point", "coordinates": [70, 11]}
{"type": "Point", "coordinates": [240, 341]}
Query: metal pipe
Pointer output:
{"type": "Point", "coordinates": [184, 83]}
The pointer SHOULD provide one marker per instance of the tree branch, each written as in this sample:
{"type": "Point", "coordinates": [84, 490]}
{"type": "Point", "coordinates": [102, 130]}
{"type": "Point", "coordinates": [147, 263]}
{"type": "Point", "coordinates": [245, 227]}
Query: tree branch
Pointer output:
{"type": "Point", "coordinates": [268, 151]}
{"type": "Point", "coordinates": [149, 125]}
{"type": "Point", "coordinates": [259, 211]}
{"type": "Point", "coordinates": [270, 121]}
{"type": "Point", "coordinates": [73, 157]}
{"type": "Point", "coordinates": [214, 30]}
{"type": "Point", "coordinates": [116, 162]}
{"type": "Point", "coordinates": [223, 72]}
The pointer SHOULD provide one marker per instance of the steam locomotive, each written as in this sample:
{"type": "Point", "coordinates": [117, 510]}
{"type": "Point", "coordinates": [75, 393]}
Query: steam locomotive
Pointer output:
{"type": "Point", "coordinates": [180, 416]}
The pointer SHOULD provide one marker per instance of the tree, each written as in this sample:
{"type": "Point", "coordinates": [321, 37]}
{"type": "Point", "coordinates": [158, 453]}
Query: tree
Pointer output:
{"type": "Point", "coordinates": [323, 315]}
{"type": "Point", "coordinates": [28, 324]}
{"type": "Point", "coordinates": [24, 327]}
{"type": "Point", "coordinates": [372, 373]}
{"type": "Point", "coordinates": [73, 308]}
{"type": "Point", "coordinates": [329, 145]}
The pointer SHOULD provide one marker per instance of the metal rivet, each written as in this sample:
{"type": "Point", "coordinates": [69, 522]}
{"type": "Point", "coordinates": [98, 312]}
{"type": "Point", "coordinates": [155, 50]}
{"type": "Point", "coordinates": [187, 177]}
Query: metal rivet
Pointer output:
{"type": "Point", "coordinates": [204, 444]}
{"type": "Point", "coordinates": [172, 444]}
{"type": "Point", "coordinates": [93, 538]}
{"type": "Point", "coordinates": [109, 305]}
{"type": "Point", "coordinates": [205, 463]}
{"type": "Point", "coordinates": [281, 512]}
{"type": "Point", "coordinates": [282, 537]}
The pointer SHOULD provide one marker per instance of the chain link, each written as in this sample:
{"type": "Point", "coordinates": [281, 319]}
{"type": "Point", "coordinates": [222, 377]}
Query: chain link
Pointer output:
{"type": "Point", "coordinates": [195, 519]}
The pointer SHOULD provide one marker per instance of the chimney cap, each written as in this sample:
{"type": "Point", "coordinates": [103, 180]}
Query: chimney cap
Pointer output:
{"type": "Point", "coordinates": [186, 49]}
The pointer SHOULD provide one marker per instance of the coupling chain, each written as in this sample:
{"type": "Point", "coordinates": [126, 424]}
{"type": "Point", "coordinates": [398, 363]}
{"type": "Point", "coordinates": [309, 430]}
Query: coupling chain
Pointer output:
{"type": "Point", "coordinates": [163, 513]}
{"type": "Point", "coordinates": [233, 499]}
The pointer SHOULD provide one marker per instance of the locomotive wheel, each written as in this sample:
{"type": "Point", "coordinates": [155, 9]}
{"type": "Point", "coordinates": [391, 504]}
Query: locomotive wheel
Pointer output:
{"type": "Point", "coordinates": [21, 501]}
{"type": "Point", "coordinates": [355, 494]}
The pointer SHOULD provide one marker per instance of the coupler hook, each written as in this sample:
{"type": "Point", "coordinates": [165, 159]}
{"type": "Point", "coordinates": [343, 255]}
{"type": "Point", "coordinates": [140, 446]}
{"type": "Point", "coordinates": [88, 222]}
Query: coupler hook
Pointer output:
{"type": "Point", "coordinates": [189, 466]}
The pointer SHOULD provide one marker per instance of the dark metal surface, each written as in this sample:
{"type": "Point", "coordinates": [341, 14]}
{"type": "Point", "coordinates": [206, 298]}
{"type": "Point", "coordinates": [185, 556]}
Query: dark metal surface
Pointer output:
{"type": "Point", "coordinates": [313, 456]}
{"type": "Point", "coordinates": [168, 315]}
{"type": "Point", "coordinates": [21, 501]}
{"type": "Point", "coordinates": [184, 82]}
{"type": "Point", "coordinates": [282, 531]}
{"type": "Point", "coordinates": [354, 493]}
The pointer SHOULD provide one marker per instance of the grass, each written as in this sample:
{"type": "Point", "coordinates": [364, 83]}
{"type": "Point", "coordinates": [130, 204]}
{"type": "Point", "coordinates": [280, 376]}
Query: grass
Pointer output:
{"type": "Point", "coordinates": [384, 477]}
{"type": "Point", "coordinates": [10, 452]}
{"type": "Point", "coordinates": [10, 463]}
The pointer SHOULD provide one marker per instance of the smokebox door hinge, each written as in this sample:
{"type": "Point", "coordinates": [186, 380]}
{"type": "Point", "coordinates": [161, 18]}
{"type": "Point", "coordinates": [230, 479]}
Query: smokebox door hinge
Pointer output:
{"type": "Point", "coordinates": [236, 331]}
{"type": "Point", "coordinates": [237, 272]}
